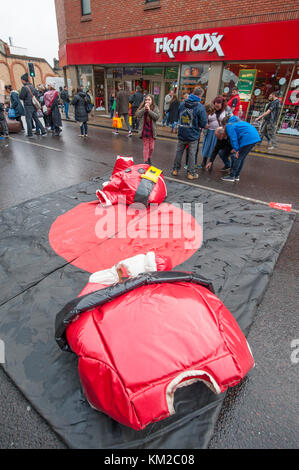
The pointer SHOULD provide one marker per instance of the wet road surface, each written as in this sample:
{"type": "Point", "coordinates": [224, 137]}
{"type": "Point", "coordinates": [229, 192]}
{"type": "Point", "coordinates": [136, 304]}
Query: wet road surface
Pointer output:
{"type": "Point", "coordinates": [260, 412]}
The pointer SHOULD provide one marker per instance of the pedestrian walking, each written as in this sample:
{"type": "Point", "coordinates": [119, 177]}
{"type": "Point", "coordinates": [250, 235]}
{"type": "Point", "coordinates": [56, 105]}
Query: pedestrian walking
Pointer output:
{"type": "Point", "coordinates": [173, 113]}
{"type": "Point", "coordinates": [167, 101]}
{"type": "Point", "coordinates": [122, 107]}
{"type": "Point", "coordinates": [80, 102]}
{"type": "Point", "coordinates": [136, 99]}
{"type": "Point", "coordinates": [112, 104]}
{"type": "Point", "coordinates": [270, 117]}
{"type": "Point", "coordinates": [16, 105]}
{"type": "Point", "coordinates": [192, 118]}
{"type": "Point", "coordinates": [148, 114]}
{"type": "Point", "coordinates": [216, 112]}
{"type": "Point", "coordinates": [27, 95]}
{"type": "Point", "coordinates": [64, 96]}
{"type": "Point", "coordinates": [51, 99]}
{"type": "Point", "coordinates": [243, 137]}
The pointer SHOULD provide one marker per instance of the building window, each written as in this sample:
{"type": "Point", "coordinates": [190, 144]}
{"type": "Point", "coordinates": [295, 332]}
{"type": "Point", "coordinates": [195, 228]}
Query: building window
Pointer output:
{"type": "Point", "coordinates": [151, 4]}
{"type": "Point", "coordinates": [85, 6]}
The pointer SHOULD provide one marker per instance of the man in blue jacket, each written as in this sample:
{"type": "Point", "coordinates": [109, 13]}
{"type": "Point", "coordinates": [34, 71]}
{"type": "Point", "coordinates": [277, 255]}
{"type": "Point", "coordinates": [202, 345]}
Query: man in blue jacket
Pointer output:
{"type": "Point", "coordinates": [243, 137]}
{"type": "Point", "coordinates": [192, 118]}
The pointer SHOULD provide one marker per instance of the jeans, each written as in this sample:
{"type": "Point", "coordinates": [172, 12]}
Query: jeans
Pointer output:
{"type": "Point", "coordinates": [66, 109]}
{"type": "Point", "coordinates": [173, 125]}
{"type": "Point", "coordinates": [268, 131]}
{"type": "Point", "coordinates": [238, 163]}
{"type": "Point", "coordinates": [224, 154]}
{"type": "Point", "coordinates": [148, 147]}
{"type": "Point", "coordinates": [126, 118]}
{"type": "Point", "coordinates": [84, 128]}
{"type": "Point", "coordinates": [30, 114]}
{"type": "Point", "coordinates": [192, 149]}
{"type": "Point", "coordinates": [166, 118]}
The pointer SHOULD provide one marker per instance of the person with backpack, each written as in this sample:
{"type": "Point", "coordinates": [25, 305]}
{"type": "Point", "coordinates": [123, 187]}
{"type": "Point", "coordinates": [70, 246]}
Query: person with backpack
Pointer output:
{"type": "Point", "coordinates": [83, 106]}
{"type": "Point", "coordinates": [173, 113]}
{"type": "Point", "coordinates": [192, 118]}
{"type": "Point", "coordinates": [28, 94]}
{"type": "Point", "coordinates": [16, 105]}
{"type": "Point", "coordinates": [51, 100]}
{"type": "Point", "coordinates": [135, 100]}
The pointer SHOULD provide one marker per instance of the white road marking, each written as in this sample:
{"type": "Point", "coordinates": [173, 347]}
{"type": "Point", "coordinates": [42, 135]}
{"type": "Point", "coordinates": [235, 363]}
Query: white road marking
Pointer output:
{"type": "Point", "coordinates": [34, 143]}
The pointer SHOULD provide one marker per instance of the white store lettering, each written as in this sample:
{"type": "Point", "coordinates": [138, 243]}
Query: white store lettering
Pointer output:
{"type": "Point", "coordinates": [198, 42]}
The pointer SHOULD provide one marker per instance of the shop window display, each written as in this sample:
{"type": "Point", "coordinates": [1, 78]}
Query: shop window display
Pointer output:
{"type": "Point", "coordinates": [289, 121]}
{"type": "Point", "coordinates": [256, 81]}
{"type": "Point", "coordinates": [193, 75]}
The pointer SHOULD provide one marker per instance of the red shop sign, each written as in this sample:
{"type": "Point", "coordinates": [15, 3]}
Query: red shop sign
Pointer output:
{"type": "Point", "coordinates": [262, 41]}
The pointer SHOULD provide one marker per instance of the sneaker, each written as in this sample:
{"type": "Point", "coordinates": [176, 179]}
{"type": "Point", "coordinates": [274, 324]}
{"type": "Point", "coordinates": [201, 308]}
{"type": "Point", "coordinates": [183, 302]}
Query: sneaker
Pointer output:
{"type": "Point", "coordinates": [30, 136]}
{"type": "Point", "coordinates": [174, 172]}
{"type": "Point", "coordinates": [271, 147]}
{"type": "Point", "coordinates": [115, 132]}
{"type": "Point", "coordinates": [228, 178]}
{"type": "Point", "coordinates": [129, 133]}
{"type": "Point", "coordinates": [192, 177]}
{"type": "Point", "coordinates": [148, 162]}
{"type": "Point", "coordinates": [185, 167]}
{"type": "Point", "coordinates": [237, 178]}
{"type": "Point", "coordinates": [86, 135]}
{"type": "Point", "coordinates": [225, 168]}
{"type": "Point", "coordinates": [44, 134]}
{"type": "Point", "coordinates": [80, 135]}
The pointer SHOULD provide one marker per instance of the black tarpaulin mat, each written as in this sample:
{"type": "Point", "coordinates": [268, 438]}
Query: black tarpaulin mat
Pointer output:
{"type": "Point", "coordinates": [242, 242]}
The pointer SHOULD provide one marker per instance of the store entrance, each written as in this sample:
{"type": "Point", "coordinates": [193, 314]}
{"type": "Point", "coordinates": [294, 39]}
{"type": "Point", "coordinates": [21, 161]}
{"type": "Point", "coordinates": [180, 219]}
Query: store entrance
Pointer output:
{"type": "Point", "coordinates": [99, 86]}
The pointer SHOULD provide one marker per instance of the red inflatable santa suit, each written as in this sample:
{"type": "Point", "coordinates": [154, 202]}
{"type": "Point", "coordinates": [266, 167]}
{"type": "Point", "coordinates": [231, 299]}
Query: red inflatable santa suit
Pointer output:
{"type": "Point", "coordinates": [136, 183]}
{"type": "Point", "coordinates": [140, 339]}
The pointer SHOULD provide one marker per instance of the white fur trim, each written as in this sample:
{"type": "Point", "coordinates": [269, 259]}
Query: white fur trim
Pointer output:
{"type": "Point", "coordinates": [134, 265]}
{"type": "Point", "coordinates": [106, 277]}
{"type": "Point", "coordinates": [150, 262]}
{"type": "Point", "coordinates": [107, 202]}
{"type": "Point", "coordinates": [194, 376]}
{"type": "Point", "coordinates": [105, 184]}
{"type": "Point", "coordinates": [124, 158]}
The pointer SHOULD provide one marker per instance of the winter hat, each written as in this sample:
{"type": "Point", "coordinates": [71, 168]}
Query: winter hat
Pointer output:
{"type": "Point", "coordinates": [25, 77]}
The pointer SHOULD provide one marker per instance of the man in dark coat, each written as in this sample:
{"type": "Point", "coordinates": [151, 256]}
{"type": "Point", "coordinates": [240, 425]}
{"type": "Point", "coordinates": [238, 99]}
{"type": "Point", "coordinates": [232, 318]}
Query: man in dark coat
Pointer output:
{"type": "Point", "coordinates": [26, 94]}
{"type": "Point", "coordinates": [122, 107]}
{"type": "Point", "coordinates": [64, 95]}
{"type": "Point", "coordinates": [192, 118]}
{"type": "Point", "coordinates": [135, 100]}
{"type": "Point", "coordinates": [80, 102]}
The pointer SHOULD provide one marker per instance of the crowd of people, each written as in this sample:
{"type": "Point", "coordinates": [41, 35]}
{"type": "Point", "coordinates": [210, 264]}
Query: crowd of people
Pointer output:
{"type": "Point", "coordinates": [41, 107]}
{"type": "Point", "coordinates": [225, 134]}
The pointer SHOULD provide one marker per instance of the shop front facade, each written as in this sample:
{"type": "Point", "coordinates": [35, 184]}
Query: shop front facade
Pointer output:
{"type": "Point", "coordinates": [255, 57]}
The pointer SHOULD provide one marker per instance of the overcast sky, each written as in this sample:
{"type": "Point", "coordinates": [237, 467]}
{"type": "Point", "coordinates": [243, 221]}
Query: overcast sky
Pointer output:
{"type": "Point", "coordinates": [31, 24]}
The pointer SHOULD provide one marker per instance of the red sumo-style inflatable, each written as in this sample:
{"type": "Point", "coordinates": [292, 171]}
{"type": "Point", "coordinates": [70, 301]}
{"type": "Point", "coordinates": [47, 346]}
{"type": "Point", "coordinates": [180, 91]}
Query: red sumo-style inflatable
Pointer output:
{"type": "Point", "coordinates": [139, 340]}
{"type": "Point", "coordinates": [136, 183]}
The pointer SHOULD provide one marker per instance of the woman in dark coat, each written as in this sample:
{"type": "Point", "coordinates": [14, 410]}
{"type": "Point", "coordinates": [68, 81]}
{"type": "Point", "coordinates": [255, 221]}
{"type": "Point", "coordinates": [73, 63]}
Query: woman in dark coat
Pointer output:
{"type": "Point", "coordinates": [16, 104]}
{"type": "Point", "coordinates": [51, 99]}
{"type": "Point", "coordinates": [173, 112]}
{"type": "Point", "coordinates": [80, 102]}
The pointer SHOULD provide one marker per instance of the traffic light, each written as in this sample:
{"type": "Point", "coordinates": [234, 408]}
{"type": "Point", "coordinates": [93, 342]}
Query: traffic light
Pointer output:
{"type": "Point", "coordinates": [31, 69]}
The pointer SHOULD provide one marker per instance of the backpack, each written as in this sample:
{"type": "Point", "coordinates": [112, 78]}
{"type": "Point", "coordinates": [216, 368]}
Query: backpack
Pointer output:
{"type": "Point", "coordinates": [88, 104]}
{"type": "Point", "coordinates": [186, 117]}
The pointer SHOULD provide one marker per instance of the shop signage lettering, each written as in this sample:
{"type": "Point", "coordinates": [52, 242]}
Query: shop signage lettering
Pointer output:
{"type": "Point", "coordinates": [198, 42]}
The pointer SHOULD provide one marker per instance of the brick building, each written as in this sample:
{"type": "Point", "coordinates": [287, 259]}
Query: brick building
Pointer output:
{"type": "Point", "coordinates": [12, 66]}
{"type": "Point", "coordinates": [163, 44]}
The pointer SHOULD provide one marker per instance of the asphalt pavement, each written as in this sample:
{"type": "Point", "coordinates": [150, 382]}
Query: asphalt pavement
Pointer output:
{"type": "Point", "coordinates": [260, 412]}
